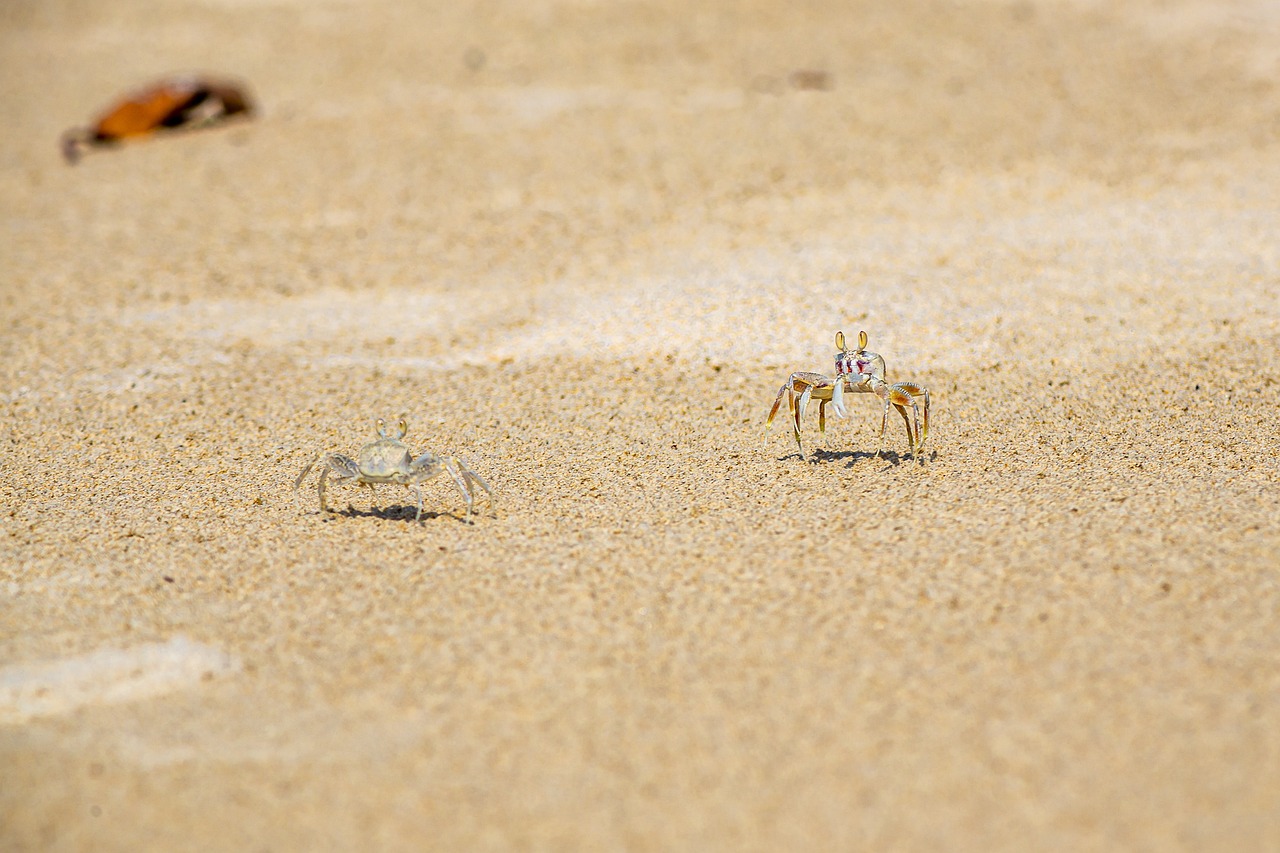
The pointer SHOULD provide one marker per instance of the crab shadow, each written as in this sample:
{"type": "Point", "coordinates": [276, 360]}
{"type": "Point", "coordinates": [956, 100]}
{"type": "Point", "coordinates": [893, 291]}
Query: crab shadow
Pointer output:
{"type": "Point", "coordinates": [853, 457]}
{"type": "Point", "coordinates": [396, 512]}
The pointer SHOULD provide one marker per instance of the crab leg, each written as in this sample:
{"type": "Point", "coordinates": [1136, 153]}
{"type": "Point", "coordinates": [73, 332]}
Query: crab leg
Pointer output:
{"type": "Point", "coordinates": [297, 484]}
{"type": "Point", "coordinates": [797, 411]}
{"type": "Point", "coordinates": [892, 397]}
{"type": "Point", "coordinates": [342, 468]}
{"type": "Point", "coordinates": [451, 465]}
{"type": "Point", "coordinates": [900, 395]}
{"type": "Point", "coordinates": [884, 425]}
{"type": "Point", "coordinates": [417, 493]}
{"type": "Point", "coordinates": [475, 479]}
{"type": "Point", "coordinates": [799, 389]}
{"type": "Point", "coordinates": [463, 478]}
{"type": "Point", "coordinates": [916, 390]}
{"type": "Point", "coordinates": [777, 403]}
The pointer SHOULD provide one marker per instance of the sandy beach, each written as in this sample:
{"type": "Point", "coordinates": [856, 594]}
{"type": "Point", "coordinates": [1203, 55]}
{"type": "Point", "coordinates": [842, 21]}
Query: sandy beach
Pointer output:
{"type": "Point", "coordinates": [580, 245]}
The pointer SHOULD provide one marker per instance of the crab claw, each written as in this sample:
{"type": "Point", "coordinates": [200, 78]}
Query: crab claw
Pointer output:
{"type": "Point", "coordinates": [837, 398]}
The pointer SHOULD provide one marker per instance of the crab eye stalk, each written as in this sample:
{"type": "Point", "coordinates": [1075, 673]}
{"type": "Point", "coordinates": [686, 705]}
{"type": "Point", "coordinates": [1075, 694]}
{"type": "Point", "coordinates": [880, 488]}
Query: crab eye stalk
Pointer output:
{"type": "Point", "coordinates": [381, 427]}
{"type": "Point", "coordinates": [840, 341]}
{"type": "Point", "coordinates": [862, 341]}
{"type": "Point", "coordinates": [403, 426]}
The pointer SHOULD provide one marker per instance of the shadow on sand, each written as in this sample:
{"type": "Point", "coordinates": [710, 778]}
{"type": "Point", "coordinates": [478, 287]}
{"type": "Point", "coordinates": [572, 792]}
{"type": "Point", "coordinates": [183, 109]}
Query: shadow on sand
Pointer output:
{"type": "Point", "coordinates": [892, 457]}
{"type": "Point", "coordinates": [394, 512]}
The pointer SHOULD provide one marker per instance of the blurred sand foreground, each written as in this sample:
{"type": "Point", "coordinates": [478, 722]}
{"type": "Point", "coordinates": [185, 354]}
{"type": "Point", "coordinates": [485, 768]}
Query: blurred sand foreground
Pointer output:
{"type": "Point", "coordinates": [581, 244]}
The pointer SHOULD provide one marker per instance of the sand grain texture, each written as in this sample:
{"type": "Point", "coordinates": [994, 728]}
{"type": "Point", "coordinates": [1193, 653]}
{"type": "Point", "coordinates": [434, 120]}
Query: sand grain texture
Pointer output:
{"type": "Point", "coordinates": [580, 245]}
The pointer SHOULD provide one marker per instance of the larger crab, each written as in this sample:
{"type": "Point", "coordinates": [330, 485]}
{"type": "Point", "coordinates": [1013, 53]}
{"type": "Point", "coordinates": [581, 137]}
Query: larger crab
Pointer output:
{"type": "Point", "coordinates": [857, 371]}
{"type": "Point", "coordinates": [388, 460]}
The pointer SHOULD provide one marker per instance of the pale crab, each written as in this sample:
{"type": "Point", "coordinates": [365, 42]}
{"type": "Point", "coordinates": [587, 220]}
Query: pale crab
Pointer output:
{"type": "Point", "coordinates": [388, 460]}
{"type": "Point", "coordinates": [857, 371]}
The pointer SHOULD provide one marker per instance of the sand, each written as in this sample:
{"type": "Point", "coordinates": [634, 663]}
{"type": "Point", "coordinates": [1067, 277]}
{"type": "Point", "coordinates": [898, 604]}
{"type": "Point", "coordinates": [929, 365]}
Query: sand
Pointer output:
{"type": "Point", "coordinates": [580, 245]}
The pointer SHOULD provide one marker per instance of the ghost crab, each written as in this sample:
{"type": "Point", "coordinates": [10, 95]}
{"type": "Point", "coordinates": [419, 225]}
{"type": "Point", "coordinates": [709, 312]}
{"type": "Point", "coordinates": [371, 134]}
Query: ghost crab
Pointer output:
{"type": "Point", "coordinates": [857, 371]}
{"type": "Point", "coordinates": [182, 101]}
{"type": "Point", "coordinates": [388, 460]}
